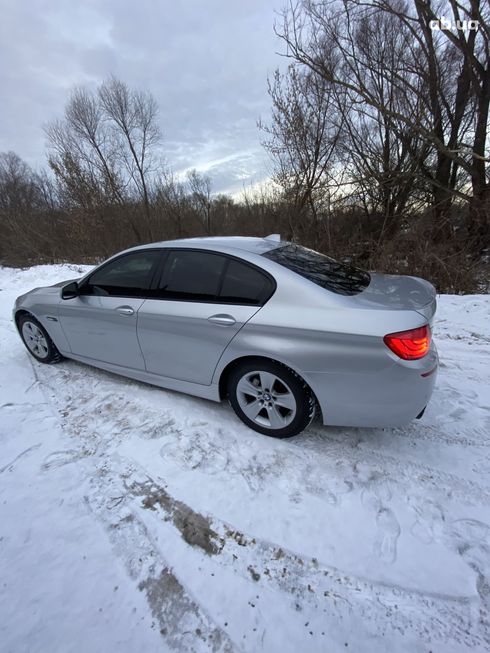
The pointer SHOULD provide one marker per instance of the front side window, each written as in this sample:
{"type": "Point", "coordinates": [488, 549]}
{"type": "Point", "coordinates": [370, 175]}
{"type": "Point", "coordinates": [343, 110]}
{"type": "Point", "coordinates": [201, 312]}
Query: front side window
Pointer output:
{"type": "Point", "coordinates": [322, 270]}
{"type": "Point", "coordinates": [191, 275]}
{"type": "Point", "coordinates": [128, 276]}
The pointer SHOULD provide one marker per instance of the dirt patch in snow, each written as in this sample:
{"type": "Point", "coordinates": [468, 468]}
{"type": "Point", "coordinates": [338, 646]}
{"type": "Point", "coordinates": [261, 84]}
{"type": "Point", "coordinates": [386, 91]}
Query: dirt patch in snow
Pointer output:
{"type": "Point", "coordinates": [194, 527]}
{"type": "Point", "coordinates": [171, 607]}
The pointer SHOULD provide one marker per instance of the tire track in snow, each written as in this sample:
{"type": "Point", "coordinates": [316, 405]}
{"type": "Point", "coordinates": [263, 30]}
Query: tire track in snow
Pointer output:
{"type": "Point", "coordinates": [398, 470]}
{"type": "Point", "coordinates": [429, 616]}
{"type": "Point", "coordinates": [316, 462]}
{"type": "Point", "coordinates": [183, 624]}
{"type": "Point", "coordinates": [420, 613]}
{"type": "Point", "coordinates": [10, 465]}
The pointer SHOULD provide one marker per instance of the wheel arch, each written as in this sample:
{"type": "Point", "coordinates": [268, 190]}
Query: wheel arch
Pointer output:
{"type": "Point", "coordinates": [19, 314]}
{"type": "Point", "coordinates": [54, 355]}
{"type": "Point", "coordinates": [226, 371]}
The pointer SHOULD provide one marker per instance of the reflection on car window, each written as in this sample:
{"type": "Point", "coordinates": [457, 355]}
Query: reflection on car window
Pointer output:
{"type": "Point", "coordinates": [244, 284]}
{"type": "Point", "coordinates": [210, 277]}
{"type": "Point", "coordinates": [128, 276]}
{"type": "Point", "coordinates": [192, 275]}
{"type": "Point", "coordinates": [326, 272]}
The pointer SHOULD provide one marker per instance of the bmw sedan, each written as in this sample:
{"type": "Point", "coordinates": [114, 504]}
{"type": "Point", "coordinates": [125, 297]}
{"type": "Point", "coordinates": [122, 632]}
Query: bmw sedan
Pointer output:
{"type": "Point", "coordinates": [279, 330]}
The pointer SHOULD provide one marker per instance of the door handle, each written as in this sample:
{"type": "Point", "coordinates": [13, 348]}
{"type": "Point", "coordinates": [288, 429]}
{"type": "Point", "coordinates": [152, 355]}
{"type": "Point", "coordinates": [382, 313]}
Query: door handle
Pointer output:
{"type": "Point", "coordinates": [223, 319]}
{"type": "Point", "coordinates": [125, 310]}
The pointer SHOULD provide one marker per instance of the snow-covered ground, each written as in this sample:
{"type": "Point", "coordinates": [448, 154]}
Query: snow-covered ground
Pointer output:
{"type": "Point", "coordinates": [135, 519]}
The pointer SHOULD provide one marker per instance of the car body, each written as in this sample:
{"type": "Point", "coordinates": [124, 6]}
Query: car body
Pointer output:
{"type": "Point", "coordinates": [172, 334]}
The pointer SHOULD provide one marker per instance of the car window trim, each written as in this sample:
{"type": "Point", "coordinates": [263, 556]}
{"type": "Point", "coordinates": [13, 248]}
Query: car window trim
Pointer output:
{"type": "Point", "coordinates": [157, 267]}
{"type": "Point", "coordinates": [218, 300]}
{"type": "Point", "coordinates": [157, 273]}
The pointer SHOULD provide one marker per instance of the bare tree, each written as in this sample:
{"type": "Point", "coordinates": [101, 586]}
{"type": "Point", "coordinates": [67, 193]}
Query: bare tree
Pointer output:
{"type": "Point", "coordinates": [18, 192]}
{"type": "Point", "coordinates": [459, 94]}
{"type": "Point", "coordinates": [200, 187]}
{"type": "Point", "coordinates": [431, 87]}
{"type": "Point", "coordinates": [381, 154]}
{"type": "Point", "coordinates": [472, 46]}
{"type": "Point", "coordinates": [82, 154]}
{"type": "Point", "coordinates": [104, 151]}
{"type": "Point", "coordinates": [21, 202]}
{"type": "Point", "coordinates": [170, 199]}
{"type": "Point", "coordinates": [132, 116]}
{"type": "Point", "coordinates": [303, 139]}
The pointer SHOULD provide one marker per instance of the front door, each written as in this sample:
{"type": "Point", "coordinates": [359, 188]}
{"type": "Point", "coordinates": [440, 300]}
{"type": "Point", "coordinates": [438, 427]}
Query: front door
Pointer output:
{"type": "Point", "coordinates": [100, 324]}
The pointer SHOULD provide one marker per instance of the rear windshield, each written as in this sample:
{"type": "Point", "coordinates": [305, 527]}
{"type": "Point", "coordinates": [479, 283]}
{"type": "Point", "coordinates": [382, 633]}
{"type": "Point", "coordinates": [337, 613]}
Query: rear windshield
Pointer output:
{"type": "Point", "coordinates": [340, 278]}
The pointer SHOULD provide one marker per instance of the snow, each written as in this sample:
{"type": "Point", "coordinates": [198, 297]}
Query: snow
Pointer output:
{"type": "Point", "coordinates": [132, 518]}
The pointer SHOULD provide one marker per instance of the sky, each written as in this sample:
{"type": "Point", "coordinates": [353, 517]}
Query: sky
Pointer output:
{"type": "Point", "coordinates": [205, 61]}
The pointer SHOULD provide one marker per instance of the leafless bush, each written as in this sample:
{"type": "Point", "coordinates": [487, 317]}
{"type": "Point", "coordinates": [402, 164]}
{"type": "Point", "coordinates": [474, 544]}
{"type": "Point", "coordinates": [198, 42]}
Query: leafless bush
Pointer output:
{"type": "Point", "coordinates": [363, 170]}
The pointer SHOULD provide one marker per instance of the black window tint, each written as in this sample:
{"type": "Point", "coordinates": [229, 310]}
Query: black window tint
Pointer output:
{"type": "Point", "coordinates": [128, 276]}
{"type": "Point", "coordinates": [192, 276]}
{"type": "Point", "coordinates": [244, 284]}
{"type": "Point", "coordinates": [320, 269]}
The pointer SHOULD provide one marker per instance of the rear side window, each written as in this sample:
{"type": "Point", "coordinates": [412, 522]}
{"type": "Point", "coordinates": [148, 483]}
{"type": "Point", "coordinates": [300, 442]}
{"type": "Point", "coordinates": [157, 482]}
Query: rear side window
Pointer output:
{"type": "Point", "coordinates": [127, 276]}
{"type": "Point", "coordinates": [192, 275]}
{"type": "Point", "coordinates": [326, 272]}
{"type": "Point", "coordinates": [244, 284]}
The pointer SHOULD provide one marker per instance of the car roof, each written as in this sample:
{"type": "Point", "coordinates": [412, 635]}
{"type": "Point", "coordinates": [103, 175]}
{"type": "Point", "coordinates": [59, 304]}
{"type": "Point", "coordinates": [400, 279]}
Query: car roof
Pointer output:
{"type": "Point", "coordinates": [244, 243]}
{"type": "Point", "coordinates": [252, 248]}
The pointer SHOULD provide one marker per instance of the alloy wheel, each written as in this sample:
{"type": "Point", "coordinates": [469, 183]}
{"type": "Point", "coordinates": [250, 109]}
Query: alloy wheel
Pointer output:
{"type": "Point", "coordinates": [35, 339]}
{"type": "Point", "coordinates": [266, 399]}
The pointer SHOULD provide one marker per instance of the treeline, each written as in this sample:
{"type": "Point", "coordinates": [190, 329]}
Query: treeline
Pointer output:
{"type": "Point", "coordinates": [383, 114]}
{"type": "Point", "coordinates": [378, 134]}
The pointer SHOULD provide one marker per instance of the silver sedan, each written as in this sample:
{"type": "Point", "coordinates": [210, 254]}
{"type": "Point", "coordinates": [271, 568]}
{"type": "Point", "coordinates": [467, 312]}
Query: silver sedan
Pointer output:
{"type": "Point", "coordinates": [281, 331]}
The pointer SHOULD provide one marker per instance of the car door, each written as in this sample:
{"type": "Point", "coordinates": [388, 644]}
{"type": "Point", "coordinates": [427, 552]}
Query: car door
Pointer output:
{"type": "Point", "coordinates": [203, 300]}
{"type": "Point", "coordinates": [100, 324]}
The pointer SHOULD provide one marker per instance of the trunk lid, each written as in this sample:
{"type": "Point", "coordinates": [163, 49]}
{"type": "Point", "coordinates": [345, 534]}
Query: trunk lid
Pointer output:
{"type": "Point", "coordinates": [397, 292]}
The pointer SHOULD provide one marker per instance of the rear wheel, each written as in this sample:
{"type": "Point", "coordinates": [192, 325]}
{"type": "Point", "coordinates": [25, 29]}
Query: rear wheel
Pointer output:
{"type": "Point", "coordinates": [37, 340]}
{"type": "Point", "coordinates": [270, 398]}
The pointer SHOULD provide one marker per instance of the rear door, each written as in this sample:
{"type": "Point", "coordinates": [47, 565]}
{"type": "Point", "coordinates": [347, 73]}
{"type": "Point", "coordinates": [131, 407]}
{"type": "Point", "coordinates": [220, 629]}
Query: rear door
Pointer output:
{"type": "Point", "coordinates": [100, 323]}
{"type": "Point", "coordinates": [204, 299]}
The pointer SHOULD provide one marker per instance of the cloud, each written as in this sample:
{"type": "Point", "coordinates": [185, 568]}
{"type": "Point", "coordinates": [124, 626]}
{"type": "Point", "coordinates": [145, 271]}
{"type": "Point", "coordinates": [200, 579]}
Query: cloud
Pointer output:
{"type": "Point", "coordinates": [205, 62]}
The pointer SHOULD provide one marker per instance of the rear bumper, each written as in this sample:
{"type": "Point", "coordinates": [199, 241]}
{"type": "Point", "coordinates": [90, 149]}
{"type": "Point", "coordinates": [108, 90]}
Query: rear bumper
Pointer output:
{"type": "Point", "coordinates": [391, 397]}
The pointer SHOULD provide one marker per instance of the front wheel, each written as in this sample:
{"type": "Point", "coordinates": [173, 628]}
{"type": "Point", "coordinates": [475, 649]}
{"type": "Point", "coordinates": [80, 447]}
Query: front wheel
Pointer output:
{"type": "Point", "coordinates": [270, 398]}
{"type": "Point", "coordinates": [37, 340]}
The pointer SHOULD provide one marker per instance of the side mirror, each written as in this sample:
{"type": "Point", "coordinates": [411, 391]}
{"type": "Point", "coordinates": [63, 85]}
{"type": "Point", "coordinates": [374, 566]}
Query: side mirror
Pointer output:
{"type": "Point", "coordinates": [70, 291]}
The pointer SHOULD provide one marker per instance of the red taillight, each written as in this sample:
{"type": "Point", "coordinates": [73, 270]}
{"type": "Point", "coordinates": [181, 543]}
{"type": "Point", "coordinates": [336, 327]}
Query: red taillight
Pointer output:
{"type": "Point", "coordinates": [411, 344]}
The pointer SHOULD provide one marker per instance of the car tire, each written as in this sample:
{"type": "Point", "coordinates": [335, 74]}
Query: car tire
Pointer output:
{"type": "Point", "coordinates": [270, 398]}
{"type": "Point", "coordinates": [37, 340]}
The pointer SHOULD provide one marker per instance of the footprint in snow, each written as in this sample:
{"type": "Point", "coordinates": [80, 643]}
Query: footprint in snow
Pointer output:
{"type": "Point", "coordinates": [196, 453]}
{"type": "Point", "coordinates": [471, 540]}
{"type": "Point", "coordinates": [482, 466]}
{"type": "Point", "coordinates": [429, 523]}
{"type": "Point", "coordinates": [314, 483]}
{"type": "Point", "coordinates": [60, 458]}
{"type": "Point", "coordinates": [371, 501]}
{"type": "Point", "coordinates": [458, 413]}
{"type": "Point", "coordinates": [387, 526]}
{"type": "Point", "coordinates": [461, 532]}
{"type": "Point", "coordinates": [371, 480]}
{"type": "Point", "coordinates": [387, 536]}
